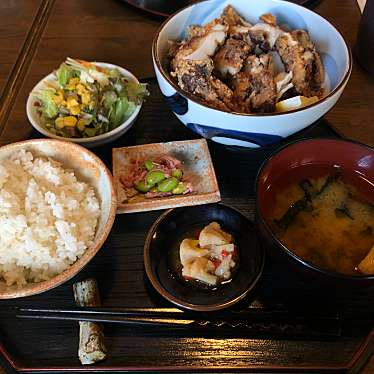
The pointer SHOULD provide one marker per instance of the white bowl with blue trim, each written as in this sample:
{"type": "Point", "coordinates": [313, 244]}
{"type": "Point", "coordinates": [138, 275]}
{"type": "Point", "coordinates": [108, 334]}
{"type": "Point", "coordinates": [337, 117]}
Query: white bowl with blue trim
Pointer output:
{"type": "Point", "coordinates": [259, 129]}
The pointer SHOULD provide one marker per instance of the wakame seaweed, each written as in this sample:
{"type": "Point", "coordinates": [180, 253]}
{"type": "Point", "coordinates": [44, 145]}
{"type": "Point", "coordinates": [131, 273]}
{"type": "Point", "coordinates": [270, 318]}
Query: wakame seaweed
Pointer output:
{"type": "Point", "coordinates": [304, 204]}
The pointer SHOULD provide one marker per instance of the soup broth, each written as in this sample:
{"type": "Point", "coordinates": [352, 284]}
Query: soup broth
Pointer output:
{"type": "Point", "coordinates": [326, 222]}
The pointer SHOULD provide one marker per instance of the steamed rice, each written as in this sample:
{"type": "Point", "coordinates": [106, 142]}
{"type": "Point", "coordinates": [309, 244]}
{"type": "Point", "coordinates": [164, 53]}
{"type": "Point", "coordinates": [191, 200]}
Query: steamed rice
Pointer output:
{"type": "Point", "coordinates": [47, 218]}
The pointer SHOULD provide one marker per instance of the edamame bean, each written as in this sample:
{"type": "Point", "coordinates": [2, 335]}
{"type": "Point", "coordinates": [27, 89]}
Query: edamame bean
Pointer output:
{"type": "Point", "coordinates": [177, 173]}
{"type": "Point", "coordinates": [181, 187]}
{"type": "Point", "coordinates": [168, 184]}
{"type": "Point", "coordinates": [148, 165]}
{"type": "Point", "coordinates": [142, 186]}
{"type": "Point", "coordinates": [154, 177]}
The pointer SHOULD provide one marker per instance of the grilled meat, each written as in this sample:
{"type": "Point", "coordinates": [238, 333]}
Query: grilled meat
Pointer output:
{"type": "Point", "coordinates": [230, 57]}
{"type": "Point", "coordinates": [222, 63]}
{"type": "Point", "coordinates": [254, 87]}
{"type": "Point", "coordinates": [201, 45]}
{"type": "Point", "coordinates": [231, 17]}
{"type": "Point", "coordinates": [195, 77]}
{"type": "Point", "coordinates": [303, 61]}
{"type": "Point", "coordinates": [297, 52]}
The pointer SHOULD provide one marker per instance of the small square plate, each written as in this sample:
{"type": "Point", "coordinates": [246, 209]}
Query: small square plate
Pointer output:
{"type": "Point", "coordinates": [196, 164]}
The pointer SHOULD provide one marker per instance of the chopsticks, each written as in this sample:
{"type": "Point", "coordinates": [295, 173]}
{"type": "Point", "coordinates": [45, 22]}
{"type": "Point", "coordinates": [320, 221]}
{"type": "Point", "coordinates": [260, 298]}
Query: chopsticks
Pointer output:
{"type": "Point", "coordinates": [255, 321]}
{"type": "Point", "coordinates": [129, 317]}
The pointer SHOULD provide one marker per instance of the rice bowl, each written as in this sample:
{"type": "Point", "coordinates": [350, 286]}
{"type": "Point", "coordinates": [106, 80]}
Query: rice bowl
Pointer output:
{"type": "Point", "coordinates": [57, 206]}
{"type": "Point", "coordinates": [47, 218]}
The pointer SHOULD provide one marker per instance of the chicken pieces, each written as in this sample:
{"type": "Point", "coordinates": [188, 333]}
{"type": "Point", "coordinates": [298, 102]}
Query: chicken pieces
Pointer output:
{"type": "Point", "coordinates": [232, 18]}
{"type": "Point", "coordinates": [201, 44]}
{"type": "Point", "coordinates": [231, 56]}
{"type": "Point", "coordinates": [208, 259]}
{"type": "Point", "coordinates": [227, 63]}
{"type": "Point", "coordinates": [297, 52]}
{"type": "Point", "coordinates": [255, 88]}
{"type": "Point", "coordinates": [192, 64]}
{"type": "Point", "coordinates": [300, 57]}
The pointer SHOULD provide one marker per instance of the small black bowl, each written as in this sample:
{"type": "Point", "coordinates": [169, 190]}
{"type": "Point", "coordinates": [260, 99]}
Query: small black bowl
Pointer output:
{"type": "Point", "coordinates": [163, 268]}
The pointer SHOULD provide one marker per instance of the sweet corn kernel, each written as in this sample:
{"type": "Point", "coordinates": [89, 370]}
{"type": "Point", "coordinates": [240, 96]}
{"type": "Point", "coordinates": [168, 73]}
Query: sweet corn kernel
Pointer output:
{"type": "Point", "coordinates": [59, 122]}
{"type": "Point", "coordinates": [58, 97]}
{"type": "Point", "coordinates": [72, 84]}
{"type": "Point", "coordinates": [71, 101]}
{"type": "Point", "coordinates": [86, 98]}
{"type": "Point", "coordinates": [70, 121]}
{"type": "Point", "coordinates": [75, 110]}
{"type": "Point", "coordinates": [81, 89]}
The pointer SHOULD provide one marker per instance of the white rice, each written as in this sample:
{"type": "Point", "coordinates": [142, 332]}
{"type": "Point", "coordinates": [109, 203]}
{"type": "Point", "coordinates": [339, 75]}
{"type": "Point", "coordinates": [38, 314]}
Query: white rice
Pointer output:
{"type": "Point", "coordinates": [47, 218]}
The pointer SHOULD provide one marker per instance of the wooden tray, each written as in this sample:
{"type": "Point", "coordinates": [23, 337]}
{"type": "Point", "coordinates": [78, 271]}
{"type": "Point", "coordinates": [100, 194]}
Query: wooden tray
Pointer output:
{"type": "Point", "coordinates": [341, 342]}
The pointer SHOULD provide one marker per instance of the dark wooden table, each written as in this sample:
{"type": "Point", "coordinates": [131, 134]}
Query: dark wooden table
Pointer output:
{"type": "Point", "coordinates": [36, 35]}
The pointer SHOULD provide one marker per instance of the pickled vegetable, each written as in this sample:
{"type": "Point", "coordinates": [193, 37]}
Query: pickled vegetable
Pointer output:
{"type": "Point", "coordinates": [158, 177]}
{"type": "Point", "coordinates": [177, 173]}
{"type": "Point", "coordinates": [148, 165]}
{"type": "Point", "coordinates": [154, 177]}
{"type": "Point", "coordinates": [168, 184]}
{"type": "Point", "coordinates": [142, 186]}
{"type": "Point", "coordinates": [181, 187]}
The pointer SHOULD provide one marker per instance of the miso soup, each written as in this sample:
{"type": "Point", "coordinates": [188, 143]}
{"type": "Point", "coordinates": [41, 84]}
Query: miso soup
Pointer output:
{"type": "Point", "coordinates": [326, 222]}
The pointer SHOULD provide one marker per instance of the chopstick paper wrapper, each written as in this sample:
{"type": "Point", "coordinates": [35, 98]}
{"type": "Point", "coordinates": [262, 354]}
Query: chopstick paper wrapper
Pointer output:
{"type": "Point", "coordinates": [91, 337]}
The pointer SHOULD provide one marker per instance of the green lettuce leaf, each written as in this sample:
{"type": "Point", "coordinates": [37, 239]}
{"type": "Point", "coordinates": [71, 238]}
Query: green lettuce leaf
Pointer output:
{"type": "Point", "coordinates": [118, 111]}
{"type": "Point", "coordinates": [49, 108]}
{"type": "Point", "coordinates": [64, 73]}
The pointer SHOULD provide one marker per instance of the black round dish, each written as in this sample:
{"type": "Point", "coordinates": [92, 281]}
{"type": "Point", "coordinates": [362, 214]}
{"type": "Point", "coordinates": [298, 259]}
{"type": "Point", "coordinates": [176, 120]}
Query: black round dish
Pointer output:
{"type": "Point", "coordinates": [162, 245]}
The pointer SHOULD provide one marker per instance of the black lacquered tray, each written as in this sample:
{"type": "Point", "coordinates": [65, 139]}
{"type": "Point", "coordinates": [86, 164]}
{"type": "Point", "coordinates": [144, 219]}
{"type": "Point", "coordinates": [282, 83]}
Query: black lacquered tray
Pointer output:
{"type": "Point", "coordinates": [324, 332]}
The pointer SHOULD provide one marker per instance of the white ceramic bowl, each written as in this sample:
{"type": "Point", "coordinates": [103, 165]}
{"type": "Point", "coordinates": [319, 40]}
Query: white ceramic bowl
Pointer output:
{"type": "Point", "coordinates": [252, 130]}
{"type": "Point", "coordinates": [88, 168]}
{"type": "Point", "coordinates": [94, 141]}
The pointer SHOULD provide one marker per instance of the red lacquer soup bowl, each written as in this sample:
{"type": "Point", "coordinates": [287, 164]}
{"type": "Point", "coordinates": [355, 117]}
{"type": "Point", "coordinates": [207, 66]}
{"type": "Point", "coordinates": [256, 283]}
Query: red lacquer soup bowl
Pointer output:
{"type": "Point", "coordinates": [304, 159]}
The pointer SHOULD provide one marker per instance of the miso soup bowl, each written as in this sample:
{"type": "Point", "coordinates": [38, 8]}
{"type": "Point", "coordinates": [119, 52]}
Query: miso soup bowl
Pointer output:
{"type": "Point", "coordinates": [251, 130]}
{"type": "Point", "coordinates": [310, 159]}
